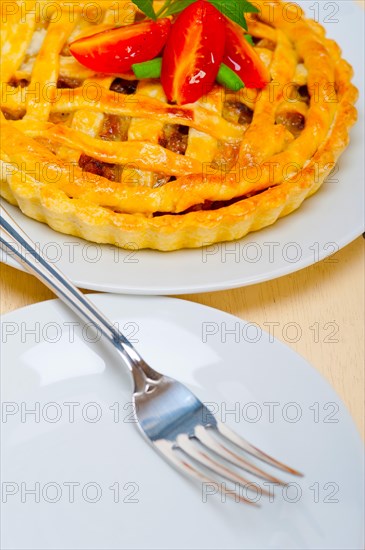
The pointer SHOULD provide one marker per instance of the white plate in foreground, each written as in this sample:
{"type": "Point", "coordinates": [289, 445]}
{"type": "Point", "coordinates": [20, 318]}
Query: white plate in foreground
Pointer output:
{"type": "Point", "coordinates": [77, 474]}
{"type": "Point", "coordinates": [325, 223]}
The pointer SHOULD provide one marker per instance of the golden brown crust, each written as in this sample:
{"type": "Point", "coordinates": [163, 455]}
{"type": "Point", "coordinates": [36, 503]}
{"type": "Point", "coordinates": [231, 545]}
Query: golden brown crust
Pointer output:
{"type": "Point", "coordinates": [235, 177]}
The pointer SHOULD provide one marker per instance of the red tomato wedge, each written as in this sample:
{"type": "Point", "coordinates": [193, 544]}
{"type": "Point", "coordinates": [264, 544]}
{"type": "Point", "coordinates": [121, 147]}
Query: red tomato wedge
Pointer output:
{"type": "Point", "coordinates": [115, 50]}
{"type": "Point", "coordinates": [241, 57]}
{"type": "Point", "coordinates": [193, 53]}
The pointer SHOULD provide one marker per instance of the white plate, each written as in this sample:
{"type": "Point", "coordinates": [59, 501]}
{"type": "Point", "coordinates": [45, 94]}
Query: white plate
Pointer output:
{"type": "Point", "coordinates": [325, 223]}
{"type": "Point", "coordinates": [157, 507]}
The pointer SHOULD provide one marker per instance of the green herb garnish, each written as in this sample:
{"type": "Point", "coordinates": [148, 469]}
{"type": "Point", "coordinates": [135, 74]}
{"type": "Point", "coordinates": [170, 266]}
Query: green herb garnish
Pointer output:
{"type": "Point", "coordinates": [233, 9]}
{"type": "Point", "coordinates": [228, 78]}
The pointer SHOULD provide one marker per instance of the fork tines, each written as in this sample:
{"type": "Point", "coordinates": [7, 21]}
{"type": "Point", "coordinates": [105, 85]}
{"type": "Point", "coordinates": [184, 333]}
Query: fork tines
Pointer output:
{"type": "Point", "coordinates": [209, 453]}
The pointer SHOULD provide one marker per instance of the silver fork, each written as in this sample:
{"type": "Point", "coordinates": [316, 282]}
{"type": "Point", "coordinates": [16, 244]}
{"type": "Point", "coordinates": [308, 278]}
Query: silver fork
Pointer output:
{"type": "Point", "coordinates": [171, 417]}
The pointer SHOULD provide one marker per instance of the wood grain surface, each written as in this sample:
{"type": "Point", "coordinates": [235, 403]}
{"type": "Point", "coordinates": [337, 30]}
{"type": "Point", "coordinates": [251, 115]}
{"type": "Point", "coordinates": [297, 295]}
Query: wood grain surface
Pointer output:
{"type": "Point", "coordinates": [318, 311]}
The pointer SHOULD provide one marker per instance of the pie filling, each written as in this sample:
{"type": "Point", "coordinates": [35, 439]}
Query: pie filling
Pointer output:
{"type": "Point", "coordinates": [173, 137]}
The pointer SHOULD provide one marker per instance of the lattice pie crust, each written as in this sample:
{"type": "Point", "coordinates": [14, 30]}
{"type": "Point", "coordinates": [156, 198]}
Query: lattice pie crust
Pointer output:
{"type": "Point", "coordinates": [107, 158]}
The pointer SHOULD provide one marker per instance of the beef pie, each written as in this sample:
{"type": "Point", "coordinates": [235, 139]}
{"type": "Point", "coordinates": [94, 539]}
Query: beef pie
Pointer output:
{"type": "Point", "coordinates": [114, 159]}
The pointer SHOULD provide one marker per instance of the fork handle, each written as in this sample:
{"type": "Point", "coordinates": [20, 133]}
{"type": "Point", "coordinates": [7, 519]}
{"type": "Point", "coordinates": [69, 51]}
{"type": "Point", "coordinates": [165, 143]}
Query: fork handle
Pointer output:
{"type": "Point", "coordinates": [17, 243]}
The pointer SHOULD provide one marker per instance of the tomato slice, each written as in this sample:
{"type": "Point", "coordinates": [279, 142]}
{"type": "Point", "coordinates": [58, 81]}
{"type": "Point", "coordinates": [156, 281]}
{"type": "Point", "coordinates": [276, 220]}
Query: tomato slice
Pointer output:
{"type": "Point", "coordinates": [193, 53]}
{"type": "Point", "coordinates": [116, 50]}
{"type": "Point", "coordinates": [241, 57]}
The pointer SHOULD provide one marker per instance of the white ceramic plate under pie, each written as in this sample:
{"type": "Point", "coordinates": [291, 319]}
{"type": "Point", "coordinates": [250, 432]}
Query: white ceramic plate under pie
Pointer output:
{"type": "Point", "coordinates": [326, 222]}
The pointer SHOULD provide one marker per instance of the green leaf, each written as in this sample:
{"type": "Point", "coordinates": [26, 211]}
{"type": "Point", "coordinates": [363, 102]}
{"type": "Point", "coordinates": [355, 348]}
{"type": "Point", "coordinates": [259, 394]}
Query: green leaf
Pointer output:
{"type": "Point", "coordinates": [146, 7]}
{"type": "Point", "coordinates": [248, 37]}
{"type": "Point", "coordinates": [235, 9]}
{"type": "Point", "coordinates": [247, 7]}
{"type": "Point", "coordinates": [178, 6]}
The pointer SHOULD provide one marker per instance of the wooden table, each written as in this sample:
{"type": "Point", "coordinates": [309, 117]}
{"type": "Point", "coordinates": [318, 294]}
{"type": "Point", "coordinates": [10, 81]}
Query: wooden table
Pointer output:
{"type": "Point", "coordinates": [318, 311]}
